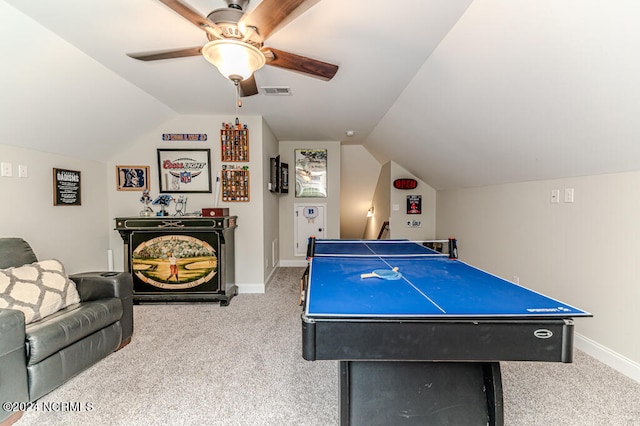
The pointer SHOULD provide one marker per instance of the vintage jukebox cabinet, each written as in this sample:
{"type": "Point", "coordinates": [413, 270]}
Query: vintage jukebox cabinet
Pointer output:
{"type": "Point", "coordinates": [180, 259]}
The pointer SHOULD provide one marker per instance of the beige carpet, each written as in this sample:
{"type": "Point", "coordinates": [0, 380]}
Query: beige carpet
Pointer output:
{"type": "Point", "coordinates": [203, 364]}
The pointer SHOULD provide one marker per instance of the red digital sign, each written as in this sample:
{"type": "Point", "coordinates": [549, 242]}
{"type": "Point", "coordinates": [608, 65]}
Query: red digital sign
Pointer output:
{"type": "Point", "coordinates": [405, 183]}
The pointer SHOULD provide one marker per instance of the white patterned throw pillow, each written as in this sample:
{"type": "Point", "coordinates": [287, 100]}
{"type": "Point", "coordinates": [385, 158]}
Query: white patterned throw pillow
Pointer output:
{"type": "Point", "coordinates": [38, 289]}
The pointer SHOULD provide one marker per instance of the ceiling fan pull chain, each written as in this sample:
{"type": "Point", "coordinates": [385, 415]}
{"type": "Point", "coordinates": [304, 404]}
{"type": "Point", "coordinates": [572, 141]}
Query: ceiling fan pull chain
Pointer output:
{"type": "Point", "coordinates": [238, 100]}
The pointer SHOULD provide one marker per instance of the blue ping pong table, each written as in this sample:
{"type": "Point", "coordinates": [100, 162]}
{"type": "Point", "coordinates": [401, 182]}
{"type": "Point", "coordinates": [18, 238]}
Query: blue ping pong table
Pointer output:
{"type": "Point", "coordinates": [423, 347]}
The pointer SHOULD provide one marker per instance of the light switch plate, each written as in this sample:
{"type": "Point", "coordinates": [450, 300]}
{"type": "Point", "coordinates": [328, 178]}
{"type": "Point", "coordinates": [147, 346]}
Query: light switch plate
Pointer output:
{"type": "Point", "coordinates": [568, 195]}
{"type": "Point", "coordinates": [6, 169]}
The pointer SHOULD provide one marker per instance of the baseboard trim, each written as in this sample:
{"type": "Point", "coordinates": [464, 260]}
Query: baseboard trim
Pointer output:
{"type": "Point", "coordinates": [613, 359]}
{"type": "Point", "coordinates": [270, 276]}
{"type": "Point", "coordinates": [250, 288]}
{"type": "Point", "coordinates": [293, 263]}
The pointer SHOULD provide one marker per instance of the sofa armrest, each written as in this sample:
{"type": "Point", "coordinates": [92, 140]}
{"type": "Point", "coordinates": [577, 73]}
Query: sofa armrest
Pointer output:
{"type": "Point", "coordinates": [101, 285]}
{"type": "Point", "coordinates": [12, 334]}
{"type": "Point", "coordinates": [13, 361]}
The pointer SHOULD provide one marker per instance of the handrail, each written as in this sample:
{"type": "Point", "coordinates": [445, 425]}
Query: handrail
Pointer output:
{"type": "Point", "coordinates": [385, 226]}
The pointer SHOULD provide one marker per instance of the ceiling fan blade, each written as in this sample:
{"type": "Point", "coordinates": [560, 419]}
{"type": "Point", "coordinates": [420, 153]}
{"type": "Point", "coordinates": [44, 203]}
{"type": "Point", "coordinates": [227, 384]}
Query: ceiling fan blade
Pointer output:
{"type": "Point", "coordinates": [272, 14]}
{"type": "Point", "coordinates": [313, 67]}
{"type": "Point", "coordinates": [191, 15]}
{"type": "Point", "coordinates": [166, 54]}
{"type": "Point", "coordinates": [248, 87]}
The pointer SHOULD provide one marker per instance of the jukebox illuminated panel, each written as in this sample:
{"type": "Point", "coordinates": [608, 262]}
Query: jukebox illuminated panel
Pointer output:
{"type": "Point", "coordinates": [175, 262]}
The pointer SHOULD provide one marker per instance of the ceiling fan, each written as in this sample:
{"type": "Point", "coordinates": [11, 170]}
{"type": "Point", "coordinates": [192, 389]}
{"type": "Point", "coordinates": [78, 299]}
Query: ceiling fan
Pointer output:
{"type": "Point", "coordinates": [236, 39]}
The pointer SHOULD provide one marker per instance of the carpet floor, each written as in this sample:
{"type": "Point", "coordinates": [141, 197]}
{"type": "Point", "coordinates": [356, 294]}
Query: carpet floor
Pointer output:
{"type": "Point", "coordinates": [203, 364]}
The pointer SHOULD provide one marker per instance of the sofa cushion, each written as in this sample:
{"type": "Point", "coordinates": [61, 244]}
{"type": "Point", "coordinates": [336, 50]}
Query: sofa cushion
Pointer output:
{"type": "Point", "coordinates": [38, 289]}
{"type": "Point", "coordinates": [52, 372]}
{"type": "Point", "coordinates": [68, 326]}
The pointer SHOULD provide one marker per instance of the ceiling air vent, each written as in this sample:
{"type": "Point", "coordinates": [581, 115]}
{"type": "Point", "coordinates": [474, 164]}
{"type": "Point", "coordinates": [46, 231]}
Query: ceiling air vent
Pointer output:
{"type": "Point", "coordinates": [276, 91]}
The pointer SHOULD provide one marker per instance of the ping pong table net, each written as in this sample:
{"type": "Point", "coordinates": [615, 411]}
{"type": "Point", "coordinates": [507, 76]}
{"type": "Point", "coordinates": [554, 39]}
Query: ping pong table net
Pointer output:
{"type": "Point", "coordinates": [383, 248]}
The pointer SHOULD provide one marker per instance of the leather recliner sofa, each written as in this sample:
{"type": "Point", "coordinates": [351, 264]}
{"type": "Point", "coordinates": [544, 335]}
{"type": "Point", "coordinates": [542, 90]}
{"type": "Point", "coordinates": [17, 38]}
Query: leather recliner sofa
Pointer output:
{"type": "Point", "coordinates": [40, 356]}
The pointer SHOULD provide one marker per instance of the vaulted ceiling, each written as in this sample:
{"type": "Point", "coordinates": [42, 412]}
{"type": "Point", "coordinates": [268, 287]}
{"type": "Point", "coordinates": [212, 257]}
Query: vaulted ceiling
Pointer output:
{"type": "Point", "coordinates": [461, 93]}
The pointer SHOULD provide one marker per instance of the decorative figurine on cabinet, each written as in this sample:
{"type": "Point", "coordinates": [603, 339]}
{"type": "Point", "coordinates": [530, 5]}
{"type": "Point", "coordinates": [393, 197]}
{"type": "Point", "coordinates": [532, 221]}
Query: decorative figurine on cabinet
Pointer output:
{"type": "Point", "coordinates": [146, 199]}
{"type": "Point", "coordinates": [163, 201]}
{"type": "Point", "coordinates": [180, 205]}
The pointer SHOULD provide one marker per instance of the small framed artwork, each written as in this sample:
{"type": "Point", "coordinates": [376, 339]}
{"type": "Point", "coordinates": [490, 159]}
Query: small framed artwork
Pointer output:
{"type": "Point", "coordinates": [311, 173]}
{"type": "Point", "coordinates": [284, 178]}
{"type": "Point", "coordinates": [274, 178]}
{"type": "Point", "coordinates": [66, 188]}
{"type": "Point", "coordinates": [132, 178]}
{"type": "Point", "coordinates": [184, 170]}
{"type": "Point", "coordinates": [414, 204]}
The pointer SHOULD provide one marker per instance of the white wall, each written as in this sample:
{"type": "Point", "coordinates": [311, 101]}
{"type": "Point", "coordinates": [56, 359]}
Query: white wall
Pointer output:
{"type": "Point", "coordinates": [249, 254]}
{"type": "Point", "coordinates": [287, 201]}
{"type": "Point", "coordinates": [398, 222]}
{"type": "Point", "coordinates": [386, 197]}
{"type": "Point", "coordinates": [359, 172]}
{"type": "Point", "coordinates": [381, 203]}
{"type": "Point", "coordinates": [62, 100]}
{"type": "Point", "coordinates": [585, 253]}
{"type": "Point", "coordinates": [271, 205]}
{"type": "Point", "coordinates": [76, 235]}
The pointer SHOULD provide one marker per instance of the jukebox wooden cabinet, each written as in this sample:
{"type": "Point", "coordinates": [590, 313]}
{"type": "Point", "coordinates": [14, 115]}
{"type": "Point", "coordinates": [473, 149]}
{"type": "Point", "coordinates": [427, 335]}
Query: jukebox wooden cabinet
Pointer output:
{"type": "Point", "coordinates": [185, 259]}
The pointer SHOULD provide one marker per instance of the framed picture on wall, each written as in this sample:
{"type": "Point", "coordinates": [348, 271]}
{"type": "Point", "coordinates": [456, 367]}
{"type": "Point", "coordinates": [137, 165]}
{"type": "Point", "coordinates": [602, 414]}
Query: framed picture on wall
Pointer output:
{"type": "Point", "coordinates": [66, 188]}
{"type": "Point", "coordinates": [284, 178]}
{"type": "Point", "coordinates": [274, 172]}
{"type": "Point", "coordinates": [414, 204]}
{"type": "Point", "coordinates": [184, 170]}
{"type": "Point", "coordinates": [311, 173]}
{"type": "Point", "coordinates": [132, 178]}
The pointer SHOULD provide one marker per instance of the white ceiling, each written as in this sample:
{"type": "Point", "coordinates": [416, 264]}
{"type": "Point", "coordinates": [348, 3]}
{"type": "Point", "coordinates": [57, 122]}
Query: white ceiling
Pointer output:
{"type": "Point", "coordinates": [459, 92]}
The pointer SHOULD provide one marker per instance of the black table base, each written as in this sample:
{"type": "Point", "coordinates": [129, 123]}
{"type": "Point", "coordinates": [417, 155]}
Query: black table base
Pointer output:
{"type": "Point", "coordinates": [420, 393]}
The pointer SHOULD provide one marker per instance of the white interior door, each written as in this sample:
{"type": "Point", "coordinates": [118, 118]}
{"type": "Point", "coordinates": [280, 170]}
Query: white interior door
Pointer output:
{"type": "Point", "coordinates": [310, 221]}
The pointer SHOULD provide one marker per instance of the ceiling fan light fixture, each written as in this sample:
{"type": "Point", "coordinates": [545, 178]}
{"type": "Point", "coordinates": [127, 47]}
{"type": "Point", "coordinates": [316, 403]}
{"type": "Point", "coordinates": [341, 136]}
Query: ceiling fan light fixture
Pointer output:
{"type": "Point", "coordinates": [234, 59]}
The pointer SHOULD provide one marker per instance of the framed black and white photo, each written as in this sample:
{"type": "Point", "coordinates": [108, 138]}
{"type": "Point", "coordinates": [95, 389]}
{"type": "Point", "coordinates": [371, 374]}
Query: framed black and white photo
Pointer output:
{"type": "Point", "coordinates": [184, 170]}
{"type": "Point", "coordinates": [311, 173]}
